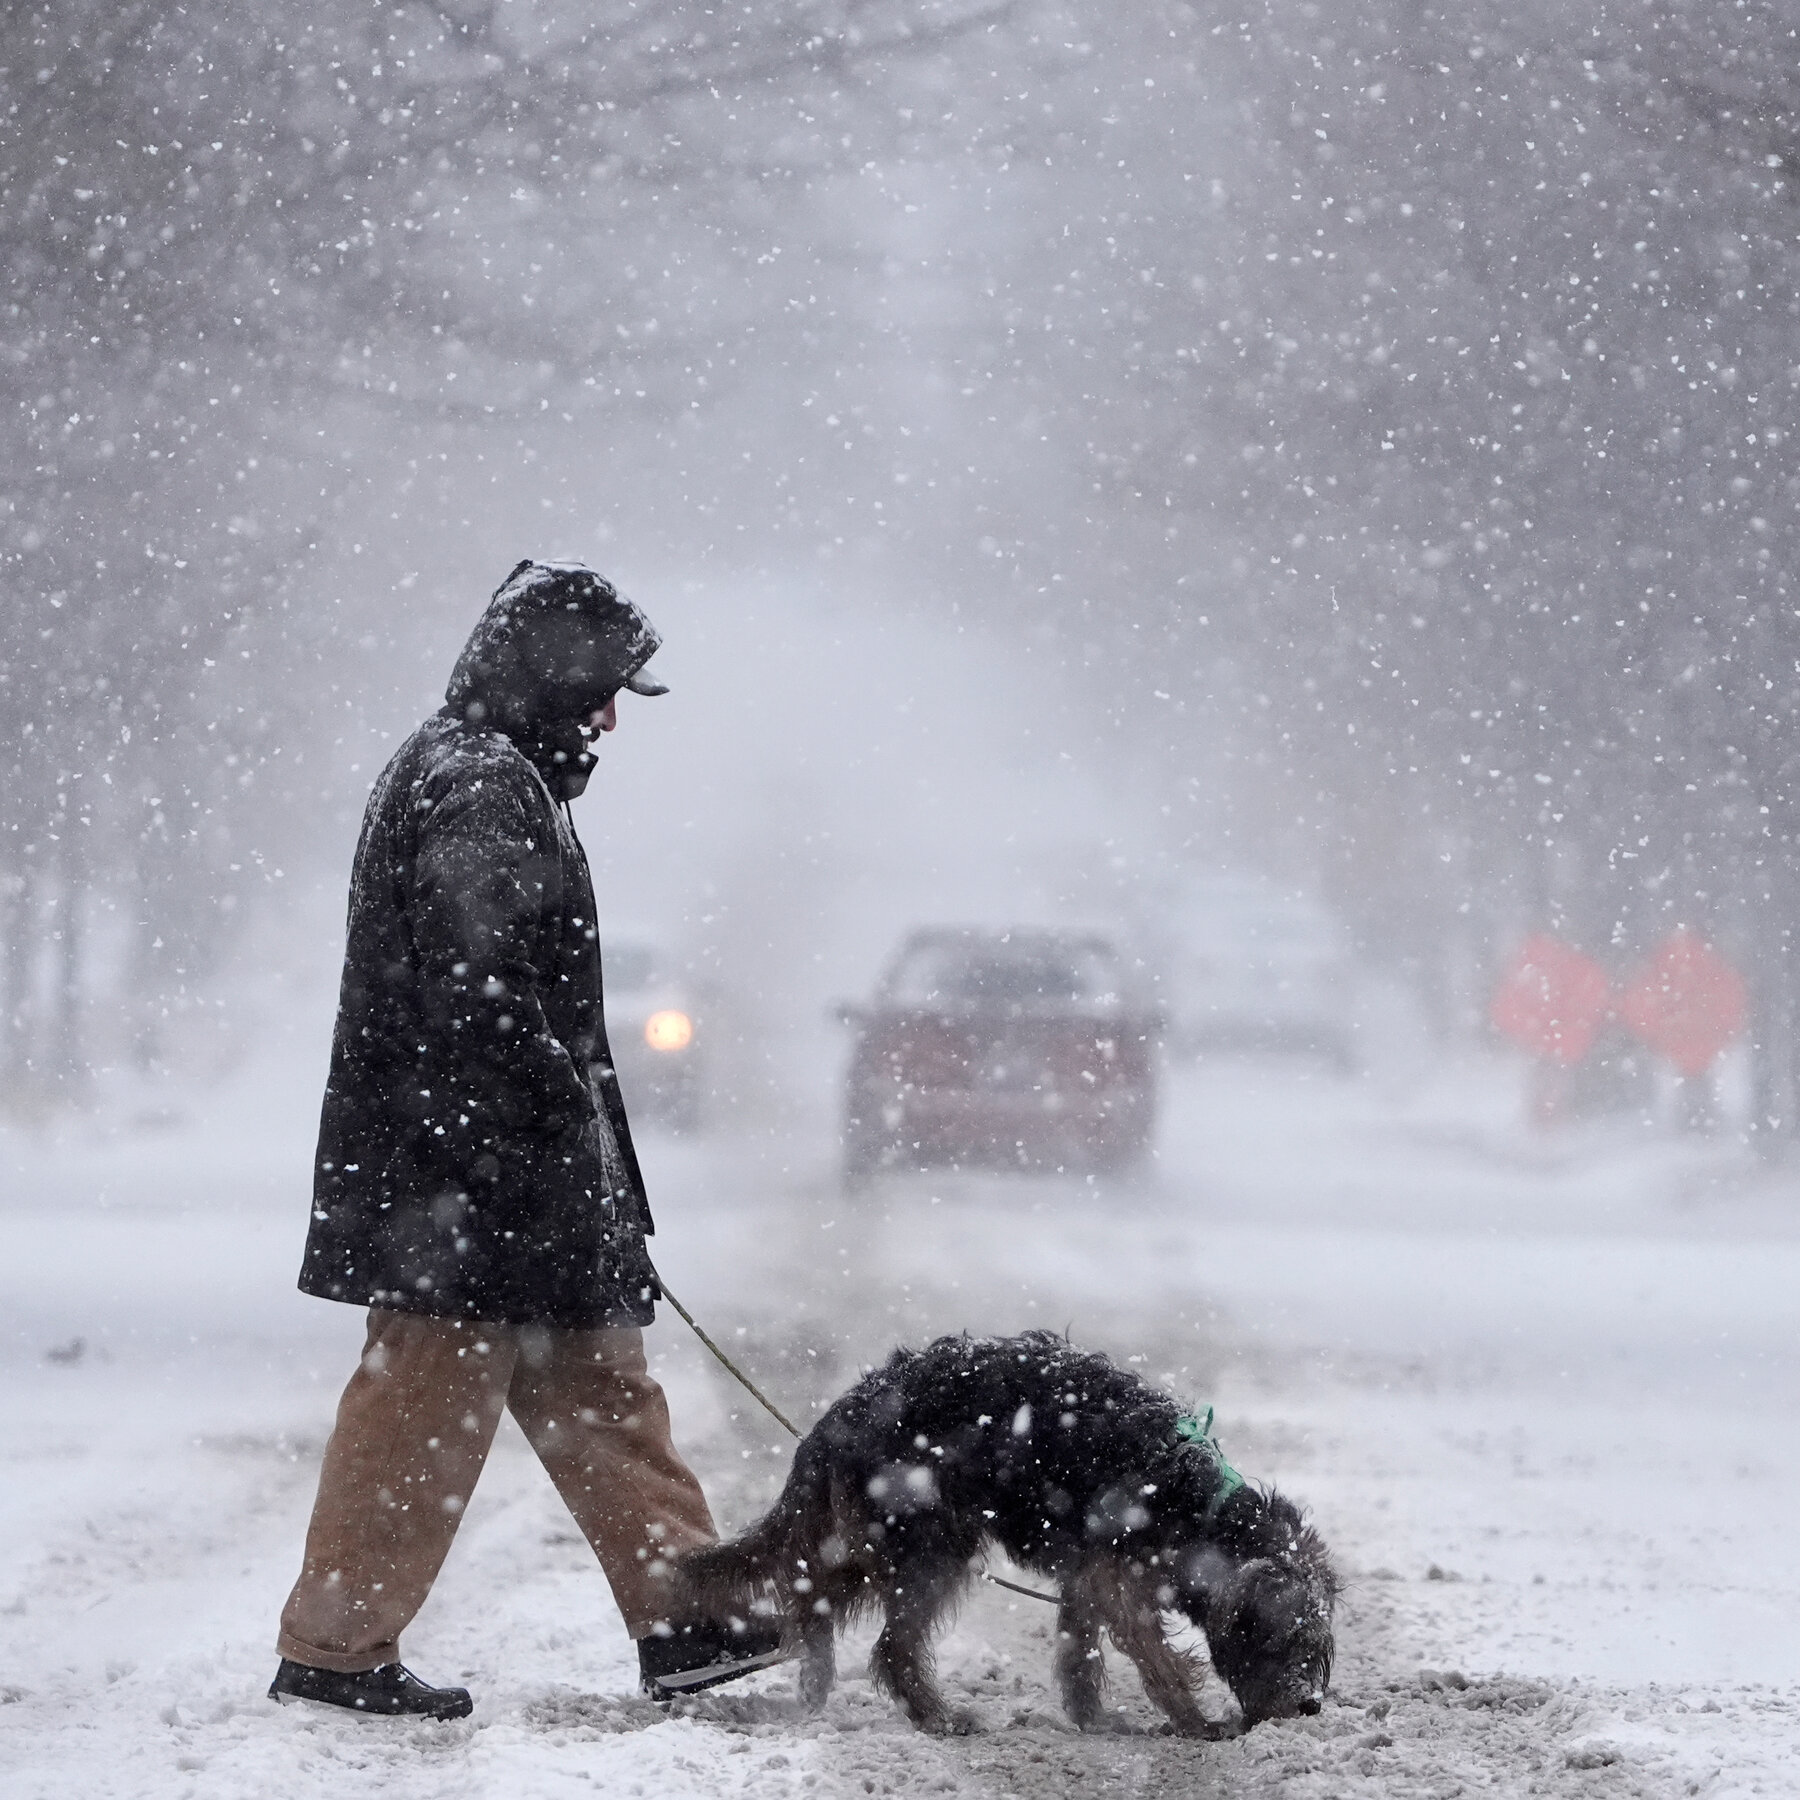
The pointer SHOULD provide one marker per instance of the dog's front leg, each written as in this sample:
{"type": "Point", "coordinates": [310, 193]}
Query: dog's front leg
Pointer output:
{"type": "Point", "coordinates": [1168, 1674]}
{"type": "Point", "coordinates": [1080, 1667]}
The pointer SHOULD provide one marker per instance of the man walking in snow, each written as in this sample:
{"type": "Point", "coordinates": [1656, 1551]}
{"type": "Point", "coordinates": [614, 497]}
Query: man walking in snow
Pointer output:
{"type": "Point", "coordinates": [476, 1187]}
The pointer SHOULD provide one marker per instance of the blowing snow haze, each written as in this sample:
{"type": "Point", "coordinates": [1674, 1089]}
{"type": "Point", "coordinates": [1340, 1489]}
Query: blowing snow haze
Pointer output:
{"type": "Point", "coordinates": [1305, 490]}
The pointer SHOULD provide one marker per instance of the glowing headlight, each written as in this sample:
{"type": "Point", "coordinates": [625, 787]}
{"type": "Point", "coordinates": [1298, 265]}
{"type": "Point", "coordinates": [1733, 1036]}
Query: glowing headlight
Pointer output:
{"type": "Point", "coordinates": [669, 1030]}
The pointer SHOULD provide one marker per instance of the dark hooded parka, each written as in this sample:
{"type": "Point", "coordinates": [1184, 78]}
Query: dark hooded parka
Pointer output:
{"type": "Point", "coordinates": [469, 1166]}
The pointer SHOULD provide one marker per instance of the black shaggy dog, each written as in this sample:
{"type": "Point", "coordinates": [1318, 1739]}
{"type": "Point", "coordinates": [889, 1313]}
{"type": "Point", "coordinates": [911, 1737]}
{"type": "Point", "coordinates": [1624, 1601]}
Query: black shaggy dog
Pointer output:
{"type": "Point", "coordinates": [1081, 1472]}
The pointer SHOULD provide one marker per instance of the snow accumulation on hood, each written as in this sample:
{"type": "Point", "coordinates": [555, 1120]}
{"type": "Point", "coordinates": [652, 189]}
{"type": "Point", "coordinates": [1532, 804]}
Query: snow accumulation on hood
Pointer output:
{"type": "Point", "coordinates": [556, 642]}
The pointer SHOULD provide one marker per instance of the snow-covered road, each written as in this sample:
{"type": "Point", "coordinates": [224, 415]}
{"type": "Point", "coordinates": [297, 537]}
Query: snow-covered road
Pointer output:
{"type": "Point", "coordinates": [1541, 1398]}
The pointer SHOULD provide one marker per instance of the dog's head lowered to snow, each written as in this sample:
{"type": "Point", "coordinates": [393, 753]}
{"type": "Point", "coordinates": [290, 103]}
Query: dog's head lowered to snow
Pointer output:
{"type": "Point", "coordinates": [1266, 1615]}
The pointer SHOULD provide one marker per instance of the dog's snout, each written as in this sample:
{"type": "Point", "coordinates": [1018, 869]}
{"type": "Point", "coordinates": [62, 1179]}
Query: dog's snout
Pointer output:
{"type": "Point", "coordinates": [1310, 1705]}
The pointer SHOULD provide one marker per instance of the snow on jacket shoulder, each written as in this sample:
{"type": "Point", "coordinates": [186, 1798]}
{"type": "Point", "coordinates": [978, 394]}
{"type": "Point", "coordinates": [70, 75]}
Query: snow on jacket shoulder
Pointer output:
{"type": "Point", "coordinates": [466, 1165]}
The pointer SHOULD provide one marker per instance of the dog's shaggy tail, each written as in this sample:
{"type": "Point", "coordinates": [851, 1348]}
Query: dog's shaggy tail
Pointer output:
{"type": "Point", "coordinates": [723, 1579]}
{"type": "Point", "coordinates": [728, 1578]}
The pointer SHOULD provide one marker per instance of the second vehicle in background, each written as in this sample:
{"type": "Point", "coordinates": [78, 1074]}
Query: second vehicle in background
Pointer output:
{"type": "Point", "coordinates": [653, 1025]}
{"type": "Point", "coordinates": [1023, 1047]}
{"type": "Point", "coordinates": [1256, 966]}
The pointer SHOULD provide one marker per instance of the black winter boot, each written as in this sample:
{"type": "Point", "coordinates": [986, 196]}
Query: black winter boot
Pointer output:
{"type": "Point", "coordinates": [391, 1689]}
{"type": "Point", "coordinates": [703, 1654]}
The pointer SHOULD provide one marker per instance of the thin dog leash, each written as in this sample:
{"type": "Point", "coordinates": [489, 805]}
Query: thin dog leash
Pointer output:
{"type": "Point", "coordinates": [793, 1431]}
{"type": "Point", "coordinates": [744, 1380]}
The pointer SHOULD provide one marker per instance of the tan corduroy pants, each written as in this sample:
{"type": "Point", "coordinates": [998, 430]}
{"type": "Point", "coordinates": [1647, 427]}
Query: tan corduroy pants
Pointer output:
{"type": "Point", "coordinates": [413, 1430]}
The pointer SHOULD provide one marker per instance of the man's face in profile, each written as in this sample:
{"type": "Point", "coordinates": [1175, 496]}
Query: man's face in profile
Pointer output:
{"type": "Point", "coordinates": [574, 761]}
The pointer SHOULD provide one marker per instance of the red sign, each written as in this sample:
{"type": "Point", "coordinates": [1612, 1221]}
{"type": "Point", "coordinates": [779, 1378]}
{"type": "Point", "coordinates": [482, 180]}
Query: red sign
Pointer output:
{"type": "Point", "coordinates": [1687, 1002]}
{"type": "Point", "coordinates": [1552, 1000]}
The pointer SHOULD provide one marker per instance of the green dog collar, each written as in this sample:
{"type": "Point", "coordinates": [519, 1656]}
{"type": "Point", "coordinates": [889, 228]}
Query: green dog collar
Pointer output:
{"type": "Point", "coordinates": [1198, 1432]}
